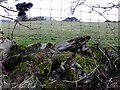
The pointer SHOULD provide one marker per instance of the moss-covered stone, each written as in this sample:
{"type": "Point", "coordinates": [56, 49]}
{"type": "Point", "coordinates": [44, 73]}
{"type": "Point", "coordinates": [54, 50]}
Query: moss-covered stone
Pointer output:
{"type": "Point", "coordinates": [50, 67]}
{"type": "Point", "coordinates": [62, 56]}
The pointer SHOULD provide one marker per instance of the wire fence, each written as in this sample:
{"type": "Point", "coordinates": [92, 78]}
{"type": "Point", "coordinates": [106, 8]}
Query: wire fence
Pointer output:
{"type": "Point", "coordinates": [58, 20]}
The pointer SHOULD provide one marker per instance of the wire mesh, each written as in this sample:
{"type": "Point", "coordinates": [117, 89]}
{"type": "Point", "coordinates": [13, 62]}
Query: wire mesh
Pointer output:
{"type": "Point", "coordinates": [58, 20]}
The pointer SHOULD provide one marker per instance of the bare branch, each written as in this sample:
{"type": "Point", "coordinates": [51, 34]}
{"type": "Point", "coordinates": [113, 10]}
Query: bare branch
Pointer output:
{"type": "Point", "coordinates": [109, 61]}
{"type": "Point", "coordinates": [23, 25]}
{"type": "Point", "coordinates": [6, 17]}
{"type": "Point", "coordinates": [78, 3]}
{"type": "Point", "coordinates": [106, 8]}
{"type": "Point", "coordinates": [7, 8]}
{"type": "Point", "coordinates": [109, 7]}
{"type": "Point", "coordinates": [13, 30]}
{"type": "Point", "coordinates": [7, 12]}
{"type": "Point", "coordinates": [16, 21]}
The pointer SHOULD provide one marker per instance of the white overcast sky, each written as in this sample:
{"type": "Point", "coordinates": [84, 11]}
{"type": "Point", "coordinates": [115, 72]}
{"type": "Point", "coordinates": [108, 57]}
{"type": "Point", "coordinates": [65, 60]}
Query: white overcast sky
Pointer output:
{"type": "Point", "coordinates": [60, 9]}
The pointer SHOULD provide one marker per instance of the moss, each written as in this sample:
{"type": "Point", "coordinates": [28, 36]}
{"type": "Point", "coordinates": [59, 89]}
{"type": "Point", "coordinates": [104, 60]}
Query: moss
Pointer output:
{"type": "Point", "coordinates": [38, 65]}
{"type": "Point", "coordinates": [22, 67]}
{"type": "Point", "coordinates": [69, 73]}
{"type": "Point", "coordinates": [48, 84]}
{"type": "Point", "coordinates": [80, 59]}
{"type": "Point", "coordinates": [62, 56]}
{"type": "Point", "coordinates": [57, 85]}
{"type": "Point", "coordinates": [44, 68]}
{"type": "Point", "coordinates": [19, 72]}
{"type": "Point", "coordinates": [30, 57]}
{"type": "Point", "coordinates": [87, 63]}
{"type": "Point", "coordinates": [24, 64]}
{"type": "Point", "coordinates": [39, 56]}
{"type": "Point", "coordinates": [13, 62]}
{"type": "Point", "coordinates": [96, 52]}
{"type": "Point", "coordinates": [17, 49]}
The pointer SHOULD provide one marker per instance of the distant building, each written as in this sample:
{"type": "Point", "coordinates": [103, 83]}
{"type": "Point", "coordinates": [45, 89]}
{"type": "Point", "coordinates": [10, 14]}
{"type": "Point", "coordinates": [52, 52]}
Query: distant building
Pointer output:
{"type": "Point", "coordinates": [70, 19]}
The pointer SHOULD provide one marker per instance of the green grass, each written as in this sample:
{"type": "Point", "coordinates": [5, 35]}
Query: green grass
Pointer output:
{"type": "Point", "coordinates": [56, 31]}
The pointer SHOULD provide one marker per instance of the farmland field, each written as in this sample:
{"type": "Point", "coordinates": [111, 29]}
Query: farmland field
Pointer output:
{"type": "Point", "coordinates": [59, 31]}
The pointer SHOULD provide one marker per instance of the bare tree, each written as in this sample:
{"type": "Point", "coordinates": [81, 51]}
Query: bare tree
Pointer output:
{"type": "Point", "coordinates": [94, 8]}
{"type": "Point", "coordinates": [6, 9]}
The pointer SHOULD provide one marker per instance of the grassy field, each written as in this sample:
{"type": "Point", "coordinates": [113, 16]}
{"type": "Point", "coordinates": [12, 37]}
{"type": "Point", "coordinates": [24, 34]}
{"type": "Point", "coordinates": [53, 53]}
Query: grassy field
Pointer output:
{"type": "Point", "coordinates": [58, 31]}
